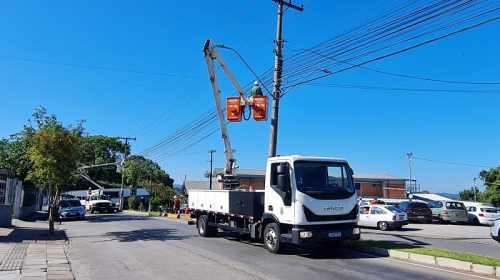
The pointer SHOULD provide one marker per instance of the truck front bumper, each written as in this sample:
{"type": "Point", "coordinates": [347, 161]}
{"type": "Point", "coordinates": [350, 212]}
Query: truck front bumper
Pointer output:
{"type": "Point", "coordinates": [320, 234]}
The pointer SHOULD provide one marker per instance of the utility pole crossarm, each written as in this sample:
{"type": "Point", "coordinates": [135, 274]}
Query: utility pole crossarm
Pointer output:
{"type": "Point", "coordinates": [289, 4]}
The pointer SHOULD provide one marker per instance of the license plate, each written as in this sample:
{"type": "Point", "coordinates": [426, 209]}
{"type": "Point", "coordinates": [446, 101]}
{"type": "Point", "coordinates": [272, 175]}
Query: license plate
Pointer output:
{"type": "Point", "coordinates": [334, 234]}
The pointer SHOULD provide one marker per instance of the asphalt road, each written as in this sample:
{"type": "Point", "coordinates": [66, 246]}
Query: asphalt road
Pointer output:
{"type": "Point", "coordinates": [465, 238]}
{"type": "Point", "coordinates": [125, 246]}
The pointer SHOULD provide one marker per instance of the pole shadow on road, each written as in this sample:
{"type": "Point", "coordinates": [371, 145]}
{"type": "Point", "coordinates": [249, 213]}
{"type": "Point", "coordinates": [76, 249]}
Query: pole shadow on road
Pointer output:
{"type": "Point", "coordinates": [115, 217]}
{"type": "Point", "coordinates": [156, 234]}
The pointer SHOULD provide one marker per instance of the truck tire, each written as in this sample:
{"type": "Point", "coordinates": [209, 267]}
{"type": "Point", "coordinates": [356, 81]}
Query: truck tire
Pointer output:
{"type": "Point", "coordinates": [205, 230]}
{"type": "Point", "coordinates": [272, 238]}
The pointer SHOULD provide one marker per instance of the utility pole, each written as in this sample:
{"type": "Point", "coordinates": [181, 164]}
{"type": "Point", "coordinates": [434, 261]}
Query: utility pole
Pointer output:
{"type": "Point", "coordinates": [211, 161]}
{"type": "Point", "coordinates": [475, 197]}
{"type": "Point", "coordinates": [278, 71]}
{"type": "Point", "coordinates": [123, 162]}
{"type": "Point", "coordinates": [410, 155]}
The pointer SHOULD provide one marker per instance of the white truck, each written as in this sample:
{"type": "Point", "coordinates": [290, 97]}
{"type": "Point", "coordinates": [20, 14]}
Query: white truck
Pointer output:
{"type": "Point", "coordinates": [307, 200]}
{"type": "Point", "coordinates": [98, 201]}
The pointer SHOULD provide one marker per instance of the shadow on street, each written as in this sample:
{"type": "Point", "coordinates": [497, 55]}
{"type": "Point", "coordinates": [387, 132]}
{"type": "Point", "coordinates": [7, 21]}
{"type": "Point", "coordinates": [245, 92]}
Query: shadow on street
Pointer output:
{"type": "Point", "coordinates": [114, 217]}
{"type": "Point", "coordinates": [20, 234]}
{"type": "Point", "coordinates": [160, 234]}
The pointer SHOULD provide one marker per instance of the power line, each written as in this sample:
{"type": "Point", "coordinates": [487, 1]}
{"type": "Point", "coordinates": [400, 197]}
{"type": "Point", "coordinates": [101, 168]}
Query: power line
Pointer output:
{"type": "Point", "coordinates": [390, 27]}
{"type": "Point", "coordinates": [452, 163]}
{"type": "Point", "coordinates": [400, 51]}
{"type": "Point", "coordinates": [93, 67]}
{"type": "Point", "coordinates": [350, 86]}
{"type": "Point", "coordinates": [405, 75]}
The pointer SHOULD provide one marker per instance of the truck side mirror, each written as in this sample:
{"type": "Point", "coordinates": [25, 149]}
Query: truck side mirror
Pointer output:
{"type": "Point", "coordinates": [283, 183]}
{"type": "Point", "coordinates": [283, 179]}
{"type": "Point", "coordinates": [282, 168]}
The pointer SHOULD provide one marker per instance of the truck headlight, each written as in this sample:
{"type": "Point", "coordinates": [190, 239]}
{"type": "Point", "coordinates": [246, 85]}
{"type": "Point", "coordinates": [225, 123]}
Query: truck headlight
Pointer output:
{"type": "Point", "coordinates": [305, 234]}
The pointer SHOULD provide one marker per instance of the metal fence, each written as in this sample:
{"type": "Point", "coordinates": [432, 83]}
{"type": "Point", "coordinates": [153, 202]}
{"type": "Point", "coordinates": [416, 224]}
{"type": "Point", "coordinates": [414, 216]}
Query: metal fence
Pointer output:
{"type": "Point", "coordinates": [7, 193]}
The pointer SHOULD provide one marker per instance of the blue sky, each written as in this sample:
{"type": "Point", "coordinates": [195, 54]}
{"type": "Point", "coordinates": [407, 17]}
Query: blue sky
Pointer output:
{"type": "Point", "coordinates": [135, 68]}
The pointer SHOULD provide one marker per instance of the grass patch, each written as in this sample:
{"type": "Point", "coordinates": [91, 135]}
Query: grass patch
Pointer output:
{"type": "Point", "coordinates": [461, 256]}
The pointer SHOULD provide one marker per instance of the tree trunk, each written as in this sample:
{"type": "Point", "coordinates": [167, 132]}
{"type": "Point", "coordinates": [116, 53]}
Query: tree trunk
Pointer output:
{"type": "Point", "coordinates": [51, 215]}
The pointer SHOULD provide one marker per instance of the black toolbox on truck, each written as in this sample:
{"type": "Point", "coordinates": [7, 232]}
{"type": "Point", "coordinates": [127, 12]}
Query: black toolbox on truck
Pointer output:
{"type": "Point", "coordinates": [246, 203]}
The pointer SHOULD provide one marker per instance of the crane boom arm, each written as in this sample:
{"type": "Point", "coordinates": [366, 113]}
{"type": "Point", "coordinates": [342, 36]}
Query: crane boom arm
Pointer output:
{"type": "Point", "coordinates": [210, 52]}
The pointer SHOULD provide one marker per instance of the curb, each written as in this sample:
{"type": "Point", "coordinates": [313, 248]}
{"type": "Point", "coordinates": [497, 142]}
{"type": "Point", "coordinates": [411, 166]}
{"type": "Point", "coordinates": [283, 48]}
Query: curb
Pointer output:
{"type": "Point", "coordinates": [184, 217]}
{"type": "Point", "coordinates": [430, 260]}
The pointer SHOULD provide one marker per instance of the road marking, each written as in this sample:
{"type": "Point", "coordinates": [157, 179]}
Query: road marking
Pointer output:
{"type": "Point", "coordinates": [421, 265]}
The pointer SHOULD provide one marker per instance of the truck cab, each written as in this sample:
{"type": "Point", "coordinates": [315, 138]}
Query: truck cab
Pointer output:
{"type": "Point", "coordinates": [308, 200]}
{"type": "Point", "coordinates": [97, 202]}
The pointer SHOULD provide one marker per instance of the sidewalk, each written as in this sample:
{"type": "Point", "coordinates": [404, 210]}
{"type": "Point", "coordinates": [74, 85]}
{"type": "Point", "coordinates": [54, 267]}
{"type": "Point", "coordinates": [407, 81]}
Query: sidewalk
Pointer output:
{"type": "Point", "coordinates": [28, 252]}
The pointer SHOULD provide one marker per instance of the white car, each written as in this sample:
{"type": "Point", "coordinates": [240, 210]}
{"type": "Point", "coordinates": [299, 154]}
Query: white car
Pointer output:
{"type": "Point", "coordinates": [483, 215]}
{"type": "Point", "coordinates": [495, 229]}
{"type": "Point", "coordinates": [383, 217]}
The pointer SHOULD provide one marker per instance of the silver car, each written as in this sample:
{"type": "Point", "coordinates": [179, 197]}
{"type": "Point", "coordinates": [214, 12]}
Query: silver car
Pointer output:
{"type": "Point", "coordinates": [449, 211]}
{"type": "Point", "coordinates": [71, 209]}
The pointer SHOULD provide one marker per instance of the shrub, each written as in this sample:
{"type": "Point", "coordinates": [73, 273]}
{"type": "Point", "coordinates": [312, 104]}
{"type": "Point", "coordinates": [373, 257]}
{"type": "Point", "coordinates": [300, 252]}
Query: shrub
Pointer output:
{"type": "Point", "coordinates": [131, 202]}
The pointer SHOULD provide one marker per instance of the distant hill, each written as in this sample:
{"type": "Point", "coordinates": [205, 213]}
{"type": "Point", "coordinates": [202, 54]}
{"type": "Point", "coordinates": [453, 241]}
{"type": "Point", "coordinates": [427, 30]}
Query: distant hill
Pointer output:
{"type": "Point", "coordinates": [453, 196]}
{"type": "Point", "coordinates": [178, 187]}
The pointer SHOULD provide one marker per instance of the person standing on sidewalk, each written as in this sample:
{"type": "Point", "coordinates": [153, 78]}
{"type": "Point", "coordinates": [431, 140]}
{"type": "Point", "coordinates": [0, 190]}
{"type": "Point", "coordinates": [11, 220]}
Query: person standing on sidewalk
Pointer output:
{"type": "Point", "coordinates": [177, 206]}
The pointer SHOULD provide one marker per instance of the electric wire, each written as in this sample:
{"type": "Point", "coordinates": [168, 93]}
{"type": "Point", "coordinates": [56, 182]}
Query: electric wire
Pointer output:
{"type": "Point", "coordinates": [452, 163]}
{"type": "Point", "coordinates": [364, 87]}
{"type": "Point", "coordinates": [402, 50]}
{"type": "Point", "coordinates": [382, 33]}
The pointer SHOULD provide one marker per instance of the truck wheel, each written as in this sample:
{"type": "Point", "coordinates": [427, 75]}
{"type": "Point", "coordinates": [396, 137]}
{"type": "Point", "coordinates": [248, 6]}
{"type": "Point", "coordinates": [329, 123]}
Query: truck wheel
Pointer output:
{"type": "Point", "coordinates": [272, 238]}
{"type": "Point", "coordinates": [382, 225]}
{"type": "Point", "coordinates": [204, 230]}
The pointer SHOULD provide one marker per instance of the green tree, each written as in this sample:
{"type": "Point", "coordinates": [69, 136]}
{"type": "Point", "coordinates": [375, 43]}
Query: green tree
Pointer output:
{"type": "Point", "coordinates": [140, 171]}
{"type": "Point", "coordinates": [53, 153]}
{"type": "Point", "coordinates": [14, 154]}
{"type": "Point", "coordinates": [100, 149]}
{"type": "Point", "coordinates": [491, 179]}
{"type": "Point", "coordinates": [472, 194]}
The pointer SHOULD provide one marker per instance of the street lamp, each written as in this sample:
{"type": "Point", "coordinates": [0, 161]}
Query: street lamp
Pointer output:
{"type": "Point", "coordinates": [410, 155]}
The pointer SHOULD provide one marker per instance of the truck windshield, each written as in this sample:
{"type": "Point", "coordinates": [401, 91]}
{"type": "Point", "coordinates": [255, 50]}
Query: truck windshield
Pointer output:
{"type": "Point", "coordinates": [323, 180]}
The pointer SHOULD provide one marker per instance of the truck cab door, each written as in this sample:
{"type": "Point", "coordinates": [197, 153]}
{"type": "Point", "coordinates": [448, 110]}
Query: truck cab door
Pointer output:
{"type": "Point", "coordinates": [278, 199]}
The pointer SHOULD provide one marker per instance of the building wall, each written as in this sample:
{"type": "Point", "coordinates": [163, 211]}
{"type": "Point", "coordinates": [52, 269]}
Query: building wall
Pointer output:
{"type": "Point", "coordinates": [370, 189]}
{"type": "Point", "coordinates": [245, 183]}
{"type": "Point", "coordinates": [255, 183]}
{"type": "Point", "coordinates": [382, 190]}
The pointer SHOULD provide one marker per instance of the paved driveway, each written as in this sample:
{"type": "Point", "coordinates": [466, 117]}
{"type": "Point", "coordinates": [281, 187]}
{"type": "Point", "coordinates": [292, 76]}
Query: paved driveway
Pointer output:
{"type": "Point", "coordinates": [465, 238]}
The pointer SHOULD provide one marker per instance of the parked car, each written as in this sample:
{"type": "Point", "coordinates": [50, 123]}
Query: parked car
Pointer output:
{"type": "Point", "coordinates": [383, 217]}
{"type": "Point", "coordinates": [449, 211]}
{"type": "Point", "coordinates": [495, 229]}
{"type": "Point", "coordinates": [416, 210]}
{"type": "Point", "coordinates": [482, 215]}
{"type": "Point", "coordinates": [71, 209]}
